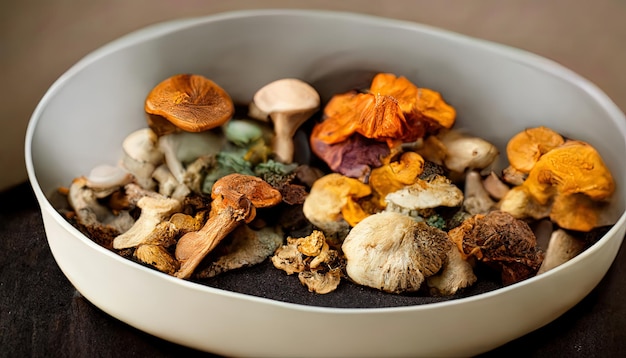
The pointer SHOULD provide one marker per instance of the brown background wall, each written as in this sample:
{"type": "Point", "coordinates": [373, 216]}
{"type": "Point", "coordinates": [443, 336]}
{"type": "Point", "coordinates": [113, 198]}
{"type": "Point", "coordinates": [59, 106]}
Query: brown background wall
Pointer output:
{"type": "Point", "coordinates": [40, 39]}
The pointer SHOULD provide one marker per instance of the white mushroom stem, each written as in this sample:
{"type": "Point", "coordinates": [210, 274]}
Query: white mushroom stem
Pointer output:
{"type": "Point", "coordinates": [108, 178]}
{"type": "Point", "coordinates": [154, 210]}
{"type": "Point", "coordinates": [477, 199]}
{"type": "Point", "coordinates": [168, 185]}
{"type": "Point", "coordinates": [495, 186]}
{"type": "Point", "coordinates": [456, 274]}
{"type": "Point", "coordinates": [561, 248]}
{"type": "Point", "coordinates": [184, 147]}
{"type": "Point", "coordinates": [193, 247]}
{"type": "Point", "coordinates": [141, 156]}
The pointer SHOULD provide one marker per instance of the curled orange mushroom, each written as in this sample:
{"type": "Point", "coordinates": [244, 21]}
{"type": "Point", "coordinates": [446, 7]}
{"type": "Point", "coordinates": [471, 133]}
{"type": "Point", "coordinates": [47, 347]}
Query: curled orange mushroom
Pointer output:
{"type": "Point", "coordinates": [333, 198]}
{"type": "Point", "coordinates": [395, 175]}
{"type": "Point", "coordinates": [376, 117]}
{"type": "Point", "coordinates": [187, 102]}
{"type": "Point", "coordinates": [526, 147]}
{"type": "Point", "coordinates": [393, 110]}
{"type": "Point", "coordinates": [570, 183]}
{"type": "Point", "coordinates": [574, 167]}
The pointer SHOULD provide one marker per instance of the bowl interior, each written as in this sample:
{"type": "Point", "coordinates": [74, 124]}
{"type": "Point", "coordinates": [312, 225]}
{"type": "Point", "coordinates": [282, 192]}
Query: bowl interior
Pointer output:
{"type": "Point", "coordinates": [497, 91]}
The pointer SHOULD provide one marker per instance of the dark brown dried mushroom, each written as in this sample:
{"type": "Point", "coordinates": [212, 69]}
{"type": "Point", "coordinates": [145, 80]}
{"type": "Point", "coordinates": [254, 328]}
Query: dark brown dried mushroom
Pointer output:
{"type": "Point", "coordinates": [502, 242]}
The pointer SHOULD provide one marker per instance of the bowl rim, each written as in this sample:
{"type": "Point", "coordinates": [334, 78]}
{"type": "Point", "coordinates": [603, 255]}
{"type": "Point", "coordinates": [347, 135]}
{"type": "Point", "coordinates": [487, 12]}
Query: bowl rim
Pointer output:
{"type": "Point", "coordinates": [157, 30]}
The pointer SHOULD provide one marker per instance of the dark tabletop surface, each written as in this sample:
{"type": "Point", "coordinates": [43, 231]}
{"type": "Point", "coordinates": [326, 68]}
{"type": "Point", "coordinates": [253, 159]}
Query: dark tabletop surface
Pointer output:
{"type": "Point", "coordinates": [42, 315]}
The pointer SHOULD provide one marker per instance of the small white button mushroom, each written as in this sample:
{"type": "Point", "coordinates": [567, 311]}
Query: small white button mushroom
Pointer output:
{"type": "Point", "coordinates": [466, 152]}
{"type": "Point", "coordinates": [108, 177]}
{"type": "Point", "coordinates": [141, 156]}
{"type": "Point", "coordinates": [289, 102]}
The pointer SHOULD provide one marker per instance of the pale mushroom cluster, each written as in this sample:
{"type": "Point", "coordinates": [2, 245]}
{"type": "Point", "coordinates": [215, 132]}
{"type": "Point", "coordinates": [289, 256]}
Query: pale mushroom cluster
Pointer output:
{"type": "Point", "coordinates": [377, 189]}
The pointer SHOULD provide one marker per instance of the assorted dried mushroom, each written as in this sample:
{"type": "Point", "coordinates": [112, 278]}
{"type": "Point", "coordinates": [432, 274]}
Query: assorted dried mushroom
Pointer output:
{"type": "Point", "coordinates": [376, 188]}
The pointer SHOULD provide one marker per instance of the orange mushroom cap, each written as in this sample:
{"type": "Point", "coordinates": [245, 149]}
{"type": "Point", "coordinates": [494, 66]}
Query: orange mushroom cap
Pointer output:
{"type": "Point", "coordinates": [526, 147]}
{"type": "Point", "coordinates": [393, 110]}
{"type": "Point", "coordinates": [574, 167]}
{"type": "Point", "coordinates": [191, 103]}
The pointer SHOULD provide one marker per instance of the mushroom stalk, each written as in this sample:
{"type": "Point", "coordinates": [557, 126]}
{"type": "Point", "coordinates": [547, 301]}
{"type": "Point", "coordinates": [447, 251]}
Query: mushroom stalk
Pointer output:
{"type": "Point", "coordinates": [235, 199]}
{"type": "Point", "coordinates": [562, 248]}
{"type": "Point", "coordinates": [193, 247]}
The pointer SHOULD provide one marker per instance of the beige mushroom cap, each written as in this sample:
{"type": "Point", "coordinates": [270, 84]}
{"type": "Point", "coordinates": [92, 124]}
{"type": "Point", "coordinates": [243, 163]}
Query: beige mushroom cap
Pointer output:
{"type": "Point", "coordinates": [394, 253]}
{"type": "Point", "coordinates": [289, 102]}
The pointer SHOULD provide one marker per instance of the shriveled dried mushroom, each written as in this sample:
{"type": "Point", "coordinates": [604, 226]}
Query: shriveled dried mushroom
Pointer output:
{"type": "Point", "coordinates": [154, 210]}
{"type": "Point", "coordinates": [246, 247]}
{"type": "Point", "coordinates": [394, 253]}
{"type": "Point", "coordinates": [318, 266]}
{"type": "Point", "coordinates": [525, 148]}
{"type": "Point", "coordinates": [432, 193]}
{"type": "Point", "coordinates": [235, 199]}
{"type": "Point", "coordinates": [332, 204]}
{"type": "Point", "coordinates": [571, 182]}
{"type": "Point", "coordinates": [395, 175]}
{"type": "Point", "coordinates": [502, 242]}
{"type": "Point", "coordinates": [100, 223]}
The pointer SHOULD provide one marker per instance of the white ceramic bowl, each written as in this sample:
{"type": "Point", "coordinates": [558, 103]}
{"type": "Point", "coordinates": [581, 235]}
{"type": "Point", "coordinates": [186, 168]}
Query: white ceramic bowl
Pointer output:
{"type": "Point", "coordinates": [497, 91]}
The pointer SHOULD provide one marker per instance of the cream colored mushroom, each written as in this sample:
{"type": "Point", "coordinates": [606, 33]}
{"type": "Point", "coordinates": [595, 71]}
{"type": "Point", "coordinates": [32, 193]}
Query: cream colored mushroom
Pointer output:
{"type": "Point", "coordinates": [477, 199]}
{"type": "Point", "coordinates": [394, 253]}
{"type": "Point", "coordinates": [289, 103]}
{"type": "Point", "coordinates": [141, 156]}
{"type": "Point", "coordinates": [455, 275]}
{"type": "Point", "coordinates": [154, 210]}
{"type": "Point", "coordinates": [425, 194]}
{"type": "Point", "coordinates": [93, 215]}
{"type": "Point", "coordinates": [466, 152]}
{"type": "Point", "coordinates": [562, 247]}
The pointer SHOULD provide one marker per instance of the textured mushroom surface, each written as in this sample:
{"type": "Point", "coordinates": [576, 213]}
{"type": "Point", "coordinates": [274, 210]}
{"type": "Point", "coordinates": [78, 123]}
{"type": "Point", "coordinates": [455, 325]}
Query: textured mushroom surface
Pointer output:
{"type": "Point", "coordinates": [190, 102]}
{"type": "Point", "coordinates": [502, 242]}
{"type": "Point", "coordinates": [392, 252]}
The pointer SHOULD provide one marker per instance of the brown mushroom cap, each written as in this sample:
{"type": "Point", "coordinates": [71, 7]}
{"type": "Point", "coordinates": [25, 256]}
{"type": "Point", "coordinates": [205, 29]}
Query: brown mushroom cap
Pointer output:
{"type": "Point", "coordinates": [191, 103]}
{"type": "Point", "coordinates": [500, 241]}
